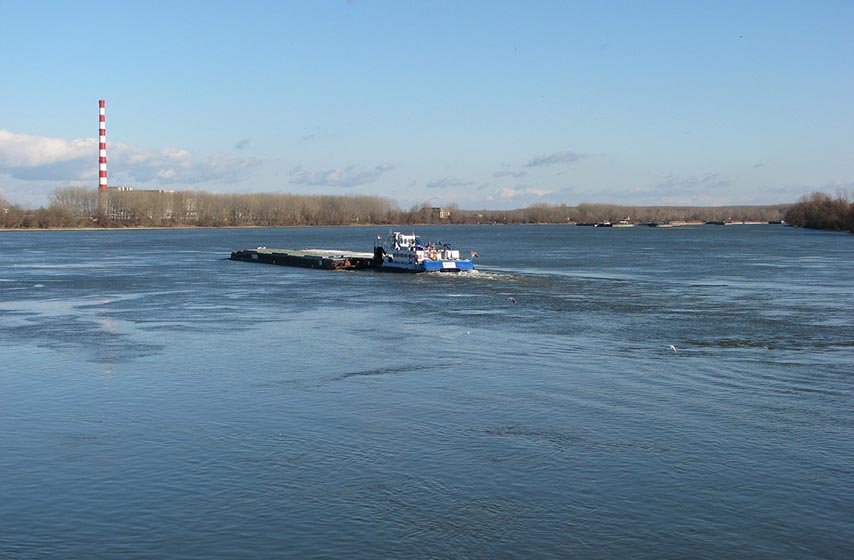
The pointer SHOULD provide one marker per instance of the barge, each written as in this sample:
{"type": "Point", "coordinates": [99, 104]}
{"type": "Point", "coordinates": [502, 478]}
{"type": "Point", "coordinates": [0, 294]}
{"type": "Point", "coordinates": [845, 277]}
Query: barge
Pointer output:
{"type": "Point", "coordinates": [399, 252]}
{"type": "Point", "coordinates": [328, 259]}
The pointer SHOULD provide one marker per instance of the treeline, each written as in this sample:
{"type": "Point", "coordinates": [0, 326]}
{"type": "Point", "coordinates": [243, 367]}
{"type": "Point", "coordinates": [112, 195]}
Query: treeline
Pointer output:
{"type": "Point", "coordinates": [821, 211]}
{"type": "Point", "coordinates": [13, 216]}
{"type": "Point", "coordinates": [136, 208]}
{"type": "Point", "coordinates": [586, 213]}
{"type": "Point", "coordinates": [72, 207]}
{"type": "Point", "coordinates": [81, 207]}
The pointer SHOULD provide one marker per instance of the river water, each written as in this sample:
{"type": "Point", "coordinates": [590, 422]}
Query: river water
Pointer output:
{"type": "Point", "coordinates": [160, 401]}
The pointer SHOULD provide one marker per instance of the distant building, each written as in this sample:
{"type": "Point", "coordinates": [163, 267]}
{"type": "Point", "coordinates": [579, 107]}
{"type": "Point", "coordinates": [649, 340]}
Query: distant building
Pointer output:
{"type": "Point", "coordinates": [119, 188]}
{"type": "Point", "coordinates": [125, 203]}
{"type": "Point", "coordinates": [440, 213]}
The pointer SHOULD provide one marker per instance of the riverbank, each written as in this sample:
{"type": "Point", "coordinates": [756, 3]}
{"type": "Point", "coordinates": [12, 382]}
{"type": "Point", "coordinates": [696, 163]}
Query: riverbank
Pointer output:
{"type": "Point", "coordinates": [821, 211]}
{"type": "Point", "coordinates": [78, 207]}
{"type": "Point", "coordinates": [568, 224]}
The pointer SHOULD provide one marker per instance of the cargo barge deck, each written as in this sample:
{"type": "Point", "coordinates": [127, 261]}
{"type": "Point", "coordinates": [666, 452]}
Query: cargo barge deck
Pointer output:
{"type": "Point", "coordinates": [327, 259]}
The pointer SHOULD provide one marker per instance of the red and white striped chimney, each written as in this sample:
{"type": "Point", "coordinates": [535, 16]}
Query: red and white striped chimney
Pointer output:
{"type": "Point", "coordinates": [102, 147]}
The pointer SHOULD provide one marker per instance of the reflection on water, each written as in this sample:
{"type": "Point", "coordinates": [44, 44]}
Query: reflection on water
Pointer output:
{"type": "Point", "coordinates": [161, 400]}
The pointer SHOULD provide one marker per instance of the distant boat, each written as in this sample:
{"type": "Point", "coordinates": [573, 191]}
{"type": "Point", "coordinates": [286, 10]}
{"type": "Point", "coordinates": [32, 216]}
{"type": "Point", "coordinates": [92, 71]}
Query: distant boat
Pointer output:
{"type": "Point", "coordinates": [624, 223]}
{"type": "Point", "coordinates": [728, 222]}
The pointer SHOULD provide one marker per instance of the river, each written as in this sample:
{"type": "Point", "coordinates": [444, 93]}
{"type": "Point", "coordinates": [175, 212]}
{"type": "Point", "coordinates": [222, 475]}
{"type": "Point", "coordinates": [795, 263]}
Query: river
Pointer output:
{"type": "Point", "coordinates": [160, 401]}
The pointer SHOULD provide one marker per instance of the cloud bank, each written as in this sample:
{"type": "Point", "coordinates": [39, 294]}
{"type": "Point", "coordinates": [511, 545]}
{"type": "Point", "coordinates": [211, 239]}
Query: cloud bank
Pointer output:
{"type": "Point", "coordinates": [38, 158]}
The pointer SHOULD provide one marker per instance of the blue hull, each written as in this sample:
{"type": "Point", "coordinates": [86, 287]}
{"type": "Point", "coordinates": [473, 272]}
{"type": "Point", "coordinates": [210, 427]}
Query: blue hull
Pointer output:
{"type": "Point", "coordinates": [447, 266]}
{"type": "Point", "coordinates": [429, 266]}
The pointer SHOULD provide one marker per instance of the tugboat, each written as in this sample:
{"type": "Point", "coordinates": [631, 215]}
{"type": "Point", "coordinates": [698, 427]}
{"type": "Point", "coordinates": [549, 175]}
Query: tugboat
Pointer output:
{"type": "Point", "coordinates": [401, 252]}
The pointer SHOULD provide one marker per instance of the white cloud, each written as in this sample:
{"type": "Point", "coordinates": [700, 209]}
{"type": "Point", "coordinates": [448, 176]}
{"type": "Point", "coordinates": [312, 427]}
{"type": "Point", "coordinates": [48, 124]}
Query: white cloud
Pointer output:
{"type": "Point", "coordinates": [563, 157]}
{"type": "Point", "coordinates": [177, 165]}
{"type": "Point", "coordinates": [692, 183]}
{"type": "Point", "coordinates": [515, 174]}
{"type": "Point", "coordinates": [708, 189]}
{"type": "Point", "coordinates": [29, 157]}
{"type": "Point", "coordinates": [38, 158]}
{"type": "Point", "coordinates": [841, 186]}
{"type": "Point", "coordinates": [446, 182]}
{"type": "Point", "coordinates": [346, 177]}
{"type": "Point", "coordinates": [521, 192]}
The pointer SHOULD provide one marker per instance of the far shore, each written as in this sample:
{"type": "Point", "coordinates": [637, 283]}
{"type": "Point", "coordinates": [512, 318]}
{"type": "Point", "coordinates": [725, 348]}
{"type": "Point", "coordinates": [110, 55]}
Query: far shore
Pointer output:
{"type": "Point", "coordinates": [185, 227]}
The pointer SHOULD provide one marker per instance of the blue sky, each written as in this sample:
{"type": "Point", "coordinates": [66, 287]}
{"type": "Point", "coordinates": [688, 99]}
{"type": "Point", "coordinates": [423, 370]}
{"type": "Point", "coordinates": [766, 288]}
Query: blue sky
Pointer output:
{"type": "Point", "coordinates": [483, 104]}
